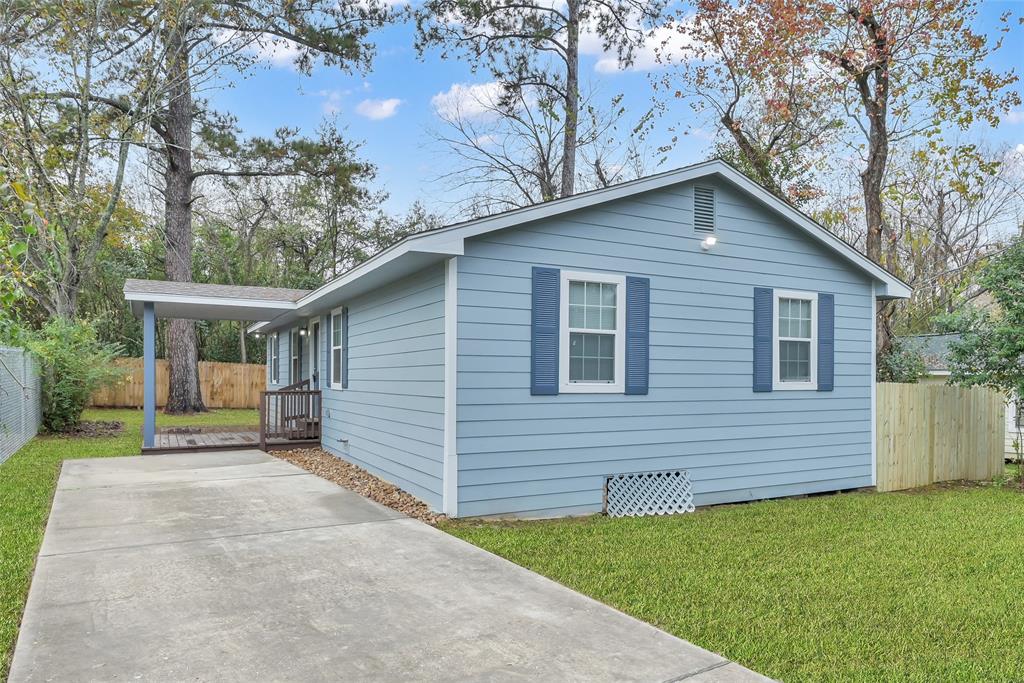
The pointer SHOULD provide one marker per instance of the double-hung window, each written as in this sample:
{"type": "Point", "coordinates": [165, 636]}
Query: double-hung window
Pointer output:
{"type": "Point", "coordinates": [795, 332]}
{"type": "Point", "coordinates": [336, 345]}
{"type": "Point", "coordinates": [592, 339]}
{"type": "Point", "coordinates": [275, 358]}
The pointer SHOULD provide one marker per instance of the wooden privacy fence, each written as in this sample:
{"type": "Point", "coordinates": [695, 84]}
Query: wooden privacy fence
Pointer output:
{"type": "Point", "coordinates": [224, 385]}
{"type": "Point", "coordinates": [935, 432]}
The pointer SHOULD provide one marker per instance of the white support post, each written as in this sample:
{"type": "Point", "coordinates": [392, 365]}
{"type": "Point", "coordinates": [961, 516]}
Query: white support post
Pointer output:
{"type": "Point", "coordinates": [874, 388]}
{"type": "Point", "coordinates": [450, 483]}
{"type": "Point", "coordinates": [148, 375]}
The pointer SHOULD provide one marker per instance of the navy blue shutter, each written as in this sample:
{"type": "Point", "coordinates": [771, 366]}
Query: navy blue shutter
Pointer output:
{"type": "Point", "coordinates": [638, 334]}
{"type": "Point", "coordinates": [344, 348]}
{"type": "Point", "coordinates": [544, 332]}
{"type": "Point", "coordinates": [763, 311]}
{"type": "Point", "coordinates": [826, 341]}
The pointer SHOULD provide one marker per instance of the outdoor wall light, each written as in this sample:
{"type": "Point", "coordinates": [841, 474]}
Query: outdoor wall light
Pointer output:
{"type": "Point", "coordinates": [257, 335]}
{"type": "Point", "coordinates": [708, 242]}
{"type": "Point", "coordinates": [302, 333]}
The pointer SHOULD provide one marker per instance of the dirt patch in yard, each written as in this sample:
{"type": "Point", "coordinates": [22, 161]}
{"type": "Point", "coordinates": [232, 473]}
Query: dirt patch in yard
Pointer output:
{"type": "Point", "coordinates": [94, 429]}
{"type": "Point", "coordinates": [354, 478]}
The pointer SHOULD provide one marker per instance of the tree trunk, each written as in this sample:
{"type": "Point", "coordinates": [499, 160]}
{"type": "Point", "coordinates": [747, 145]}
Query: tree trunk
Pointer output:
{"type": "Point", "coordinates": [184, 394]}
{"type": "Point", "coordinates": [871, 184]}
{"type": "Point", "coordinates": [243, 352]}
{"type": "Point", "coordinates": [754, 157]}
{"type": "Point", "coordinates": [572, 99]}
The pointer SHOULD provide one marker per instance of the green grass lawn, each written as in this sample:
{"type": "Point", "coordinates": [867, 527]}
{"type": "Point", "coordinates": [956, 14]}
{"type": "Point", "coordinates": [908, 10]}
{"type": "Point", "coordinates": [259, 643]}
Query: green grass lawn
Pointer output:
{"type": "Point", "coordinates": [924, 586]}
{"type": "Point", "coordinates": [27, 481]}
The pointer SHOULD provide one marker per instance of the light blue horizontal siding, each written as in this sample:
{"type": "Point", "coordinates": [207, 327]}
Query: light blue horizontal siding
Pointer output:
{"type": "Point", "coordinates": [392, 412]}
{"type": "Point", "coordinates": [549, 455]}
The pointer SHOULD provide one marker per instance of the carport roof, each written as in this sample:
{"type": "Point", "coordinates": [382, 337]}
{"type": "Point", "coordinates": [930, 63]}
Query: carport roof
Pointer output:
{"type": "Point", "coordinates": [196, 301]}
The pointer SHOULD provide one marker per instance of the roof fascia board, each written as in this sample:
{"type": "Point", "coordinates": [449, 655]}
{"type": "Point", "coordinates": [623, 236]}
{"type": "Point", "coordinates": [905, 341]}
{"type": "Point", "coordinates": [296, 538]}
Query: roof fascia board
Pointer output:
{"type": "Point", "coordinates": [576, 202]}
{"type": "Point", "coordinates": [386, 256]}
{"type": "Point", "coordinates": [894, 287]}
{"type": "Point", "coordinates": [208, 300]}
{"type": "Point", "coordinates": [451, 240]}
{"type": "Point", "coordinates": [446, 247]}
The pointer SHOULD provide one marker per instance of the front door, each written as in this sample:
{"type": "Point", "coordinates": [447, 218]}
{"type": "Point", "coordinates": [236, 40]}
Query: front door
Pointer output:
{"type": "Point", "coordinates": [314, 355]}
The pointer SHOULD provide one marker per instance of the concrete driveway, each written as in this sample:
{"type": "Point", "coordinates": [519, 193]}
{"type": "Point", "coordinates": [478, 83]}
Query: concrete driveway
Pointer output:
{"type": "Point", "coordinates": [239, 566]}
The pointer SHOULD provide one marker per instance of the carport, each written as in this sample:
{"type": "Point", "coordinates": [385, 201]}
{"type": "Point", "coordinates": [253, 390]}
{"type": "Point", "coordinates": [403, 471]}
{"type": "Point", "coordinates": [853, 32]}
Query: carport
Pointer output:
{"type": "Point", "coordinates": [153, 299]}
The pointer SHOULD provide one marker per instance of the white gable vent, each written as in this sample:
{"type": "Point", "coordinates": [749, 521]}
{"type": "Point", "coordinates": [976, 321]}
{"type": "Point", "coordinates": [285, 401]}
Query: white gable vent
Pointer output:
{"type": "Point", "coordinates": [703, 209]}
{"type": "Point", "coordinates": [638, 494]}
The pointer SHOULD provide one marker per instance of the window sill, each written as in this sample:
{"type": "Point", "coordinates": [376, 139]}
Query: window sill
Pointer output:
{"type": "Point", "coordinates": [584, 388]}
{"type": "Point", "coordinates": [795, 386]}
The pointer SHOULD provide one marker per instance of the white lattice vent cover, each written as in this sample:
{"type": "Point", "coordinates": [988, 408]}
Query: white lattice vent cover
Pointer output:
{"type": "Point", "coordinates": [648, 493]}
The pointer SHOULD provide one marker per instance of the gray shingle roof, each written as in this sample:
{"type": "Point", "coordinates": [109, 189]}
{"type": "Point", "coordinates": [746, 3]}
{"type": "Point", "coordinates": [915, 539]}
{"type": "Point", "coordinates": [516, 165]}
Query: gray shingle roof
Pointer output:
{"type": "Point", "coordinates": [934, 348]}
{"type": "Point", "coordinates": [220, 291]}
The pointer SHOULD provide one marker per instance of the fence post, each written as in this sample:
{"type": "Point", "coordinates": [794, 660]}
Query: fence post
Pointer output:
{"type": "Point", "coordinates": [24, 390]}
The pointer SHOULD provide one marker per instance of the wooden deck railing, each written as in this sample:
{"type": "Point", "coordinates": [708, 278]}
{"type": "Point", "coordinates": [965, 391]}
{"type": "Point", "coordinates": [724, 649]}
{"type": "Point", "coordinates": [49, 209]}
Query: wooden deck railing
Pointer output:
{"type": "Point", "coordinates": [293, 413]}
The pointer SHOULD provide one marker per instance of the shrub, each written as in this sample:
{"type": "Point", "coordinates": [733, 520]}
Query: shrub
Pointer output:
{"type": "Point", "coordinates": [74, 363]}
{"type": "Point", "coordinates": [902, 363]}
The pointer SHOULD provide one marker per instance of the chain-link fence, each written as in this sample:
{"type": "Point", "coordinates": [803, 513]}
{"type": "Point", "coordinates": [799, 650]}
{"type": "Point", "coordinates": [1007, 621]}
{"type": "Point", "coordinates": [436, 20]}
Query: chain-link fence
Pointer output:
{"type": "Point", "coordinates": [20, 405]}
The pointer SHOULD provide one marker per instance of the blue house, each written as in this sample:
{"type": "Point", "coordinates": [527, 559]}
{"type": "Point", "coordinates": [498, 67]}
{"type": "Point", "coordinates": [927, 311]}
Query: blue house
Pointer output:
{"type": "Point", "coordinates": [688, 322]}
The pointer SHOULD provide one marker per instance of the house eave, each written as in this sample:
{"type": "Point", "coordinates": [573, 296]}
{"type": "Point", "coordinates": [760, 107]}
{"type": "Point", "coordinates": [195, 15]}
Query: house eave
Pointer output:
{"type": "Point", "coordinates": [172, 306]}
{"type": "Point", "coordinates": [400, 260]}
{"type": "Point", "coordinates": [422, 249]}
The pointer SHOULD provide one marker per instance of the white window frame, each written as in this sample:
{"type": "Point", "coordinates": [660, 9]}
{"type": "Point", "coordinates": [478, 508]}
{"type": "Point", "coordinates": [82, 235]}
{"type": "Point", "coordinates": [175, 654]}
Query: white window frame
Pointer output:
{"type": "Point", "coordinates": [331, 382]}
{"type": "Point", "coordinates": [777, 384]}
{"type": "Point", "coordinates": [275, 357]}
{"type": "Point", "coordinates": [567, 387]}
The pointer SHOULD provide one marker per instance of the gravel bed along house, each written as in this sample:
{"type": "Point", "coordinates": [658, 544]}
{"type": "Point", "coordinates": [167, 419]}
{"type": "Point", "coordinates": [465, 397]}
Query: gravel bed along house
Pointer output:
{"type": "Point", "coordinates": [354, 478]}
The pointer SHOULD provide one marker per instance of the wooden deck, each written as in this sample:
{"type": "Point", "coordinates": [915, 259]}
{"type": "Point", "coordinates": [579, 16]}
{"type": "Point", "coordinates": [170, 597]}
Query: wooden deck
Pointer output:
{"type": "Point", "coordinates": [196, 439]}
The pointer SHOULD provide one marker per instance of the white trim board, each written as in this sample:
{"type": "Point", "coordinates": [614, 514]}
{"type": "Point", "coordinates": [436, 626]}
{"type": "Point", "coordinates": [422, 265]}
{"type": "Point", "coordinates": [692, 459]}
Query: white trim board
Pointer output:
{"type": "Point", "coordinates": [450, 469]}
{"type": "Point", "coordinates": [874, 389]}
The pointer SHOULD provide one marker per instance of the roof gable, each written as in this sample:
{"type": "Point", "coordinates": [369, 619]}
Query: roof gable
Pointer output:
{"type": "Point", "coordinates": [421, 249]}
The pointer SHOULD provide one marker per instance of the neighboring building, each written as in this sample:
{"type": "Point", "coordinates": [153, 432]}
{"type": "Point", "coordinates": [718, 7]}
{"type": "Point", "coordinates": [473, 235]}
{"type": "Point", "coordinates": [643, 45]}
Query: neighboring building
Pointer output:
{"type": "Point", "coordinates": [934, 349]}
{"type": "Point", "coordinates": [688, 321]}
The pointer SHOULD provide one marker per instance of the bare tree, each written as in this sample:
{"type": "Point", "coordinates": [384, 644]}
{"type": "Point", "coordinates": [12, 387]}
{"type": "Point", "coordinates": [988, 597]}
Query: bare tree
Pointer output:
{"type": "Point", "coordinates": [948, 209]}
{"type": "Point", "coordinates": [535, 46]}
{"type": "Point", "coordinates": [508, 147]}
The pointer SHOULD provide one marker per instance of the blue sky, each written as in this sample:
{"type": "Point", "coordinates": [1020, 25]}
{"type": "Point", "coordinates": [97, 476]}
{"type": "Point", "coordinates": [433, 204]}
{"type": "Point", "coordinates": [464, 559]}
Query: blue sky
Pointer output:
{"type": "Point", "coordinates": [389, 108]}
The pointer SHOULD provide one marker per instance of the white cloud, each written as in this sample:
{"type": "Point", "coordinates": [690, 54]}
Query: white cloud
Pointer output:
{"type": "Point", "coordinates": [1014, 116]}
{"type": "Point", "coordinates": [701, 134]}
{"type": "Point", "coordinates": [377, 110]}
{"type": "Point", "coordinates": [467, 100]}
{"type": "Point", "coordinates": [1013, 161]}
{"type": "Point", "coordinates": [485, 140]}
{"type": "Point", "coordinates": [663, 39]}
{"type": "Point", "coordinates": [332, 100]}
{"type": "Point", "coordinates": [278, 51]}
